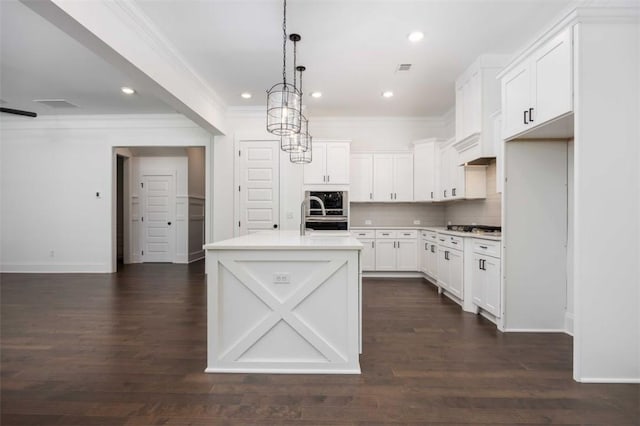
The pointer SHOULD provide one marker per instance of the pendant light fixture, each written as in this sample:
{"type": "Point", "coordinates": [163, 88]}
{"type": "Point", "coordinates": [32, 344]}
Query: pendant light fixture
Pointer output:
{"type": "Point", "coordinates": [296, 142]}
{"type": "Point", "coordinates": [283, 99]}
{"type": "Point", "coordinates": [303, 153]}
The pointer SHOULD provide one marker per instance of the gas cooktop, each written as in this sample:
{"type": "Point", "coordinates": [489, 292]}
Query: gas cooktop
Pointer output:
{"type": "Point", "coordinates": [484, 229]}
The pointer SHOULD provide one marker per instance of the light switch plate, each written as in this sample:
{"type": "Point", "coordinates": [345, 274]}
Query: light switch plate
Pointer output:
{"type": "Point", "coordinates": [289, 215]}
{"type": "Point", "coordinates": [416, 222]}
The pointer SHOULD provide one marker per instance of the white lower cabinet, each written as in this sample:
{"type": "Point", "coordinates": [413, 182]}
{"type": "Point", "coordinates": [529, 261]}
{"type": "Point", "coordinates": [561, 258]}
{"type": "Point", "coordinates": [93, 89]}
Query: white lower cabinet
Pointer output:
{"type": "Point", "coordinates": [385, 255]}
{"type": "Point", "coordinates": [368, 253]}
{"type": "Point", "coordinates": [451, 265]}
{"type": "Point", "coordinates": [485, 276]}
{"type": "Point", "coordinates": [407, 254]}
{"type": "Point", "coordinates": [428, 254]}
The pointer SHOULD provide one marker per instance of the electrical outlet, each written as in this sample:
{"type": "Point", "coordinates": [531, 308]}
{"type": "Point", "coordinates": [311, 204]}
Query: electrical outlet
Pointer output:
{"type": "Point", "coordinates": [416, 222]}
{"type": "Point", "coordinates": [281, 278]}
{"type": "Point", "coordinates": [367, 222]}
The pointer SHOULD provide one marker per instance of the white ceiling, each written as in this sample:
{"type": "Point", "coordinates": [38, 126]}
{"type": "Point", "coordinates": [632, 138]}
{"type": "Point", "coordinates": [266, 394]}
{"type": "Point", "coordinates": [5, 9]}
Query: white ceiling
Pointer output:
{"type": "Point", "coordinates": [39, 61]}
{"type": "Point", "coordinates": [351, 49]}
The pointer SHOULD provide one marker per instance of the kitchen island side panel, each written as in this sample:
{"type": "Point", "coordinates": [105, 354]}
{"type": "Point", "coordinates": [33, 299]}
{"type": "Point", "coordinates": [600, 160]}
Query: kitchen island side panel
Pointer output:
{"type": "Point", "coordinates": [283, 311]}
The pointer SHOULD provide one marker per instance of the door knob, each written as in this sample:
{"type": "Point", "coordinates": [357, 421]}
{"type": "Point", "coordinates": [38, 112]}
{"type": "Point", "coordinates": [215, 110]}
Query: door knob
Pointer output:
{"type": "Point", "coordinates": [275, 226]}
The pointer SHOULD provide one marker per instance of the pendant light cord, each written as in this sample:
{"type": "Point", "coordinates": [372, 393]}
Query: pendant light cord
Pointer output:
{"type": "Point", "coordinates": [284, 44]}
{"type": "Point", "coordinates": [295, 62]}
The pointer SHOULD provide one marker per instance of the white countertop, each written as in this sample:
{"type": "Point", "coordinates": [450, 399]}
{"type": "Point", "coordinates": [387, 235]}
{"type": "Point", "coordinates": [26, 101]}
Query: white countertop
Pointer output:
{"type": "Point", "coordinates": [287, 240]}
{"type": "Point", "coordinates": [440, 229]}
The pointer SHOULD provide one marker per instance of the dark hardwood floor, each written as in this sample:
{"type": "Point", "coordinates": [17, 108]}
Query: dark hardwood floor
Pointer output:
{"type": "Point", "coordinates": [129, 349]}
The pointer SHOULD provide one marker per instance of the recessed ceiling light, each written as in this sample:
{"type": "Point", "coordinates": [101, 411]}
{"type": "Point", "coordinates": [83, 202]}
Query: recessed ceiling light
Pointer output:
{"type": "Point", "coordinates": [387, 94]}
{"type": "Point", "coordinates": [416, 36]}
{"type": "Point", "coordinates": [128, 90]}
{"type": "Point", "coordinates": [246, 95]}
{"type": "Point", "coordinates": [316, 94]}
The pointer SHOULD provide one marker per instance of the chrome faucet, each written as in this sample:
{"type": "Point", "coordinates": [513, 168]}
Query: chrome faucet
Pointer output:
{"type": "Point", "coordinates": [302, 211]}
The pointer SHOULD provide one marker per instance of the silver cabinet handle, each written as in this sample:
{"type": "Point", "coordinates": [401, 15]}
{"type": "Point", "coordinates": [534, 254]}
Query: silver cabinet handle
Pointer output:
{"type": "Point", "coordinates": [391, 195]}
{"type": "Point", "coordinates": [324, 178]}
{"type": "Point", "coordinates": [398, 244]}
{"type": "Point", "coordinates": [371, 195]}
{"type": "Point", "coordinates": [372, 244]}
{"type": "Point", "coordinates": [328, 178]}
{"type": "Point", "coordinates": [483, 247]}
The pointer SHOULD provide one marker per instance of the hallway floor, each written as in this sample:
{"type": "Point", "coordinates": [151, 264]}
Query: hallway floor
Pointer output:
{"type": "Point", "coordinates": [130, 349]}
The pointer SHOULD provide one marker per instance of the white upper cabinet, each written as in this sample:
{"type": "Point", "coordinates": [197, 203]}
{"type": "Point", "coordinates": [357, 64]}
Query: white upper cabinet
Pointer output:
{"type": "Point", "coordinates": [460, 182]}
{"type": "Point", "coordinates": [361, 188]}
{"type": "Point", "coordinates": [393, 177]}
{"type": "Point", "coordinates": [329, 165]}
{"type": "Point", "coordinates": [403, 177]}
{"type": "Point", "coordinates": [426, 170]}
{"type": "Point", "coordinates": [477, 97]}
{"type": "Point", "coordinates": [539, 89]}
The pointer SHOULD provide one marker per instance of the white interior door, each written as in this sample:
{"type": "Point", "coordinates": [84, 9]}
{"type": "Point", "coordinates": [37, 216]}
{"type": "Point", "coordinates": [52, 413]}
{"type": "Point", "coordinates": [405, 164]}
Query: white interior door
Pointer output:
{"type": "Point", "coordinates": [259, 188]}
{"type": "Point", "coordinates": [157, 221]}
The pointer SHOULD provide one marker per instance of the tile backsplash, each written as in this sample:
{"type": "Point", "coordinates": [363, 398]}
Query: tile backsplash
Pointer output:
{"type": "Point", "coordinates": [396, 214]}
{"type": "Point", "coordinates": [480, 212]}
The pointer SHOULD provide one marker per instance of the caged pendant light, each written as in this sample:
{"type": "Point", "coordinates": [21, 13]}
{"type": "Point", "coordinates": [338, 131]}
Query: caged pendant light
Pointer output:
{"type": "Point", "coordinates": [300, 143]}
{"type": "Point", "coordinates": [283, 99]}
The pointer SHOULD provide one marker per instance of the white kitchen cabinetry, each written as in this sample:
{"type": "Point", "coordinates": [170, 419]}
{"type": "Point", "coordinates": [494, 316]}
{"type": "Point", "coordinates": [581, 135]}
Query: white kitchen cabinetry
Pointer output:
{"type": "Point", "coordinates": [477, 97]}
{"type": "Point", "coordinates": [451, 265]}
{"type": "Point", "coordinates": [540, 89]}
{"type": "Point", "coordinates": [485, 276]}
{"type": "Point", "coordinates": [396, 250]}
{"type": "Point", "coordinates": [428, 250]}
{"type": "Point", "coordinates": [368, 252]}
{"type": "Point", "coordinates": [426, 170]}
{"type": "Point", "coordinates": [329, 165]}
{"type": "Point", "coordinates": [460, 182]}
{"type": "Point", "coordinates": [499, 147]}
{"type": "Point", "coordinates": [393, 177]}
{"type": "Point", "coordinates": [361, 188]}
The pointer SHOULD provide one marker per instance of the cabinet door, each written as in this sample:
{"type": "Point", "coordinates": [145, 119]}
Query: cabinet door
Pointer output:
{"type": "Point", "coordinates": [477, 281]}
{"type": "Point", "coordinates": [423, 249]}
{"type": "Point", "coordinates": [403, 177]}
{"type": "Point", "coordinates": [424, 172]}
{"type": "Point", "coordinates": [460, 131]}
{"type": "Point", "coordinates": [361, 172]}
{"type": "Point", "coordinates": [432, 261]}
{"type": "Point", "coordinates": [492, 283]}
{"type": "Point", "coordinates": [383, 177]}
{"type": "Point", "coordinates": [473, 105]}
{"type": "Point", "coordinates": [368, 255]}
{"type": "Point", "coordinates": [552, 79]}
{"type": "Point", "coordinates": [314, 172]}
{"type": "Point", "coordinates": [443, 268]}
{"type": "Point", "coordinates": [456, 273]}
{"type": "Point", "coordinates": [444, 192]}
{"type": "Point", "coordinates": [407, 252]}
{"type": "Point", "coordinates": [385, 255]}
{"type": "Point", "coordinates": [337, 163]}
{"type": "Point", "coordinates": [516, 99]}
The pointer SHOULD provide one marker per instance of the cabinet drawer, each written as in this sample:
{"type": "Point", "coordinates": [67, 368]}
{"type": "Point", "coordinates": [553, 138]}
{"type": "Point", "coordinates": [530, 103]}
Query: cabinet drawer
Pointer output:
{"type": "Point", "coordinates": [451, 241]}
{"type": "Point", "coordinates": [429, 235]}
{"type": "Point", "coordinates": [410, 233]}
{"type": "Point", "coordinates": [385, 233]}
{"type": "Point", "coordinates": [364, 233]}
{"type": "Point", "coordinates": [486, 247]}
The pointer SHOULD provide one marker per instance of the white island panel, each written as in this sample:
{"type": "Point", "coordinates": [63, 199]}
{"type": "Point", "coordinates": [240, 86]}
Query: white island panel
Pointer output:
{"type": "Point", "coordinates": [309, 324]}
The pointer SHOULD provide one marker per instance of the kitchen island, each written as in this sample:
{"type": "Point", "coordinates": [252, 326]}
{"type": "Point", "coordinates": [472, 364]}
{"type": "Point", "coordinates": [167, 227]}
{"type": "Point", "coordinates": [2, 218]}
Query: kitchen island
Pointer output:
{"type": "Point", "coordinates": [278, 302]}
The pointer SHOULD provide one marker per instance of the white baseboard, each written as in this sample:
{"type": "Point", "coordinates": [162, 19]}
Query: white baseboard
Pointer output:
{"type": "Point", "coordinates": [282, 371]}
{"type": "Point", "coordinates": [391, 274]}
{"type": "Point", "coordinates": [616, 380]}
{"type": "Point", "coordinates": [534, 330]}
{"type": "Point", "coordinates": [568, 323]}
{"type": "Point", "coordinates": [55, 268]}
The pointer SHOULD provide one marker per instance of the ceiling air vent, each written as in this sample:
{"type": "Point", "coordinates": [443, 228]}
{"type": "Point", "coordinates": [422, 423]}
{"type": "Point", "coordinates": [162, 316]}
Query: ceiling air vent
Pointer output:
{"type": "Point", "coordinates": [404, 67]}
{"type": "Point", "coordinates": [56, 103]}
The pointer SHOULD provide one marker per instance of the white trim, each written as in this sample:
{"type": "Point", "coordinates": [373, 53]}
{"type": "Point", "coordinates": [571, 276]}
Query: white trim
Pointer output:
{"type": "Point", "coordinates": [55, 268]}
{"type": "Point", "coordinates": [283, 371]}
{"type": "Point", "coordinates": [392, 274]}
{"type": "Point", "coordinates": [101, 121]}
{"type": "Point", "coordinates": [568, 323]}
{"type": "Point", "coordinates": [534, 330]}
{"type": "Point", "coordinates": [630, 380]}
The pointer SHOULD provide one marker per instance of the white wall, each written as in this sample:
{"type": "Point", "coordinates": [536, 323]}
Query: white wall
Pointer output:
{"type": "Point", "coordinates": [366, 133]}
{"type": "Point", "coordinates": [51, 170]}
